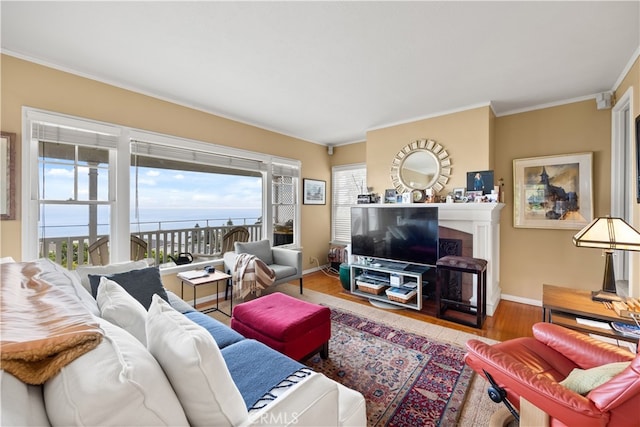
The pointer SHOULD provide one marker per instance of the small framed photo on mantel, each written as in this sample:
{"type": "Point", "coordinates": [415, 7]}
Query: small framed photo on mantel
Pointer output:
{"type": "Point", "coordinates": [480, 181]}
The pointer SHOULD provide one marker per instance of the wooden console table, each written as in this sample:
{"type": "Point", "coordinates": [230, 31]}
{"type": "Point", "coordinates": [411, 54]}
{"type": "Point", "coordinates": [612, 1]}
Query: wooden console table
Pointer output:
{"type": "Point", "coordinates": [563, 306]}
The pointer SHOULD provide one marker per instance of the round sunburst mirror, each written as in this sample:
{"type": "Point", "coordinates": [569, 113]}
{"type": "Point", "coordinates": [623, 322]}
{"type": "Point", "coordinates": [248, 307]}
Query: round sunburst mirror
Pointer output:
{"type": "Point", "coordinates": [420, 165]}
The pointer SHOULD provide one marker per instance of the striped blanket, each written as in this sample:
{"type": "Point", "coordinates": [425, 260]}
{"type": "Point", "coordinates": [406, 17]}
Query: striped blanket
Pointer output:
{"type": "Point", "coordinates": [250, 276]}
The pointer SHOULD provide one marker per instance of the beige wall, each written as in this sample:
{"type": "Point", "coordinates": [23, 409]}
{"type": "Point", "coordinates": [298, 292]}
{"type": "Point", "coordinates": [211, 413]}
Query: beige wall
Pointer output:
{"type": "Point", "coordinates": [349, 154]}
{"type": "Point", "coordinates": [531, 257]}
{"type": "Point", "coordinates": [475, 140]}
{"type": "Point", "coordinates": [478, 140]}
{"type": "Point", "coordinates": [464, 135]}
{"type": "Point", "coordinates": [27, 84]}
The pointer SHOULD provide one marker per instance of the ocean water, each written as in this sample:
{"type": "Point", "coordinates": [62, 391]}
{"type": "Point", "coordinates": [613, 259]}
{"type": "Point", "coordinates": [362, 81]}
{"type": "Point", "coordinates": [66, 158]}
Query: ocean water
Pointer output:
{"type": "Point", "coordinates": [65, 220]}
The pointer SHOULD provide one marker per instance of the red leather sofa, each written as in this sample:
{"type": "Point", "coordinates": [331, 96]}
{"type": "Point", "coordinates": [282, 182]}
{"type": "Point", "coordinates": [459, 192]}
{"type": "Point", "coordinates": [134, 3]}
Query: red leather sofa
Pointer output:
{"type": "Point", "coordinates": [533, 367]}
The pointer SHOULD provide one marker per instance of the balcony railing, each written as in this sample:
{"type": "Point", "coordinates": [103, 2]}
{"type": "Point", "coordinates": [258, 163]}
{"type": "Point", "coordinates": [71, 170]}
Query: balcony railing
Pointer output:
{"type": "Point", "coordinates": [204, 242]}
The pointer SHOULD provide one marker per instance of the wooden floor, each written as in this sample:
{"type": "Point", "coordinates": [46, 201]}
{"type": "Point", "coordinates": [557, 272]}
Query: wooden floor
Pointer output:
{"type": "Point", "coordinates": [510, 319]}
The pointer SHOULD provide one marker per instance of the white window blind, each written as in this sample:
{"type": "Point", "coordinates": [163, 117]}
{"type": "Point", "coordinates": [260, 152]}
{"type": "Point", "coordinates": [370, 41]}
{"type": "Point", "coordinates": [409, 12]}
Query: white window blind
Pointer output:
{"type": "Point", "coordinates": [347, 182]}
{"type": "Point", "coordinates": [46, 132]}
{"type": "Point", "coordinates": [190, 155]}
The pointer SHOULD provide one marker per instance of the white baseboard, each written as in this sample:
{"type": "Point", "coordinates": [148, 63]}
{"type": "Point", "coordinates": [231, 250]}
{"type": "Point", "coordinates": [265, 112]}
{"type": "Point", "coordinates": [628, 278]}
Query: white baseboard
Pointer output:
{"type": "Point", "coordinates": [314, 269]}
{"type": "Point", "coordinates": [521, 300]}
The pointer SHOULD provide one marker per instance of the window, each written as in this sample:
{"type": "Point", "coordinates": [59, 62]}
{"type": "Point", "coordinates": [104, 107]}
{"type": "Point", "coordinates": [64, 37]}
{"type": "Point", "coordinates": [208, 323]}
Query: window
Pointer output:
{"type": "Point", "coordinates": [71, 196]}
{"type": "Point", "coordinates": [347, 182]}
{"type": "Point", "coordinates": [179, 206]}
{"type": "Point", "coordinates": [88, 179]}
{"type": "Point", "coordinates": [284, 181]}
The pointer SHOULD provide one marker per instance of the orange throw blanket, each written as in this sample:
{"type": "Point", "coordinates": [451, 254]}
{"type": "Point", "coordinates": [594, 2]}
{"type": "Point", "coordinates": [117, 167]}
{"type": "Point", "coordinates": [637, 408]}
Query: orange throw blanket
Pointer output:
{"type": "Point", "coordinates": [42, 328]}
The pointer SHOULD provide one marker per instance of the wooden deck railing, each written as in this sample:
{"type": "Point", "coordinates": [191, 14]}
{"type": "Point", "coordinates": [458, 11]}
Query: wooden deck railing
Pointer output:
{"type": "Point", "coordinates": [206, 242]}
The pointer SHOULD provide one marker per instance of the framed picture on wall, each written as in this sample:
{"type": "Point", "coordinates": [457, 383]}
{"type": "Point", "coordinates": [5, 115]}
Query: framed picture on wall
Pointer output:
{"type": "Point", "coordinates": [7, 171]}
{"type": "Point", "coordinates": [313, 192]}
{"type": "Point", "coordinates": [553, 191]}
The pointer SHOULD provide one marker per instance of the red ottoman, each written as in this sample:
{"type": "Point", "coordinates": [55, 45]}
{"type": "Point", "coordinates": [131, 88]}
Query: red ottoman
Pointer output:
{"type": "Point", "coordinates": [286, 324]}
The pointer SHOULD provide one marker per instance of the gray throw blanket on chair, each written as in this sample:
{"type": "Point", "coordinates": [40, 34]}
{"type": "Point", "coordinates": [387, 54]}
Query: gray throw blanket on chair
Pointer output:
{"type": "Point", "coordinates": [250, 276]}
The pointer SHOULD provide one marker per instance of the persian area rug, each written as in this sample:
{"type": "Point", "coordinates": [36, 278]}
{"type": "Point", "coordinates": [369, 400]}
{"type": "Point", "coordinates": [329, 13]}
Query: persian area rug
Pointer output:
{"type": "Point", "coordinates": [406, 379]}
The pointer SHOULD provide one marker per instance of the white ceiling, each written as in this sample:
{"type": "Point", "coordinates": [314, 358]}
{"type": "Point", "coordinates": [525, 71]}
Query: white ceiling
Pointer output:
{"type": "Point", "coordinates": [327, 72]}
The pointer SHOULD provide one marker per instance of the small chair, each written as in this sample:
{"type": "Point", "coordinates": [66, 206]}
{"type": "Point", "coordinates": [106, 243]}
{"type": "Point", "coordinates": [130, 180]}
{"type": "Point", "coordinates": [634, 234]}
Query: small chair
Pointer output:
{"type": "Point", "coordinates": [236, 234]}
{"type": "Point", "coordinates": [99, 250]}
{"type": "Point", "coordinates": [286, 263]}
{"type": "Point", "coordinates": [530, 369]}
{"type": "Point", "coordinates": [446, 300]}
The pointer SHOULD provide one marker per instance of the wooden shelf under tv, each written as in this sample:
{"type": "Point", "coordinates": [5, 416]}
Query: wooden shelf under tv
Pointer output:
{"type": "Point", "coordinates": [382, 272]}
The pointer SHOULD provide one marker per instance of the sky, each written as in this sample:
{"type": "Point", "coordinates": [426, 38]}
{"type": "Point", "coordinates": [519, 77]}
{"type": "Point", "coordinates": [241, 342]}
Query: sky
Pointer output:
{"type": "Point", "coordinates": [161, 188]}
{"type": "Point", "coordinates": [163, 195]}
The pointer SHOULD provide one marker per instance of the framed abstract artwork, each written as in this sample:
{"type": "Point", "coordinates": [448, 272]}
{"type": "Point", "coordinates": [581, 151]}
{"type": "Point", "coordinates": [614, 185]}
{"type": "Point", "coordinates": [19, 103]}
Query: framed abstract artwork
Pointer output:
{"type": "Point", "coordinates": [553, 191]}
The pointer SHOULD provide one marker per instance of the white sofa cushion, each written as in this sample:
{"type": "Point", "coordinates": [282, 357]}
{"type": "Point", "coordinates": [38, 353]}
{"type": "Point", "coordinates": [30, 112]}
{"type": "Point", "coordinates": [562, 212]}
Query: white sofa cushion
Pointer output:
{"type": "Point", "coordinates": [312, 402]}
{"type": "Point", "coordinates": [201, 379]}
{"type": "Point", "coordinates": [59, 276]}
{"type": "Point", "coordinates": [22, 404]}
{"type": "Point", "coordinates": [120, 308]}
{"type": "Point", "coordinates": [118, 383]}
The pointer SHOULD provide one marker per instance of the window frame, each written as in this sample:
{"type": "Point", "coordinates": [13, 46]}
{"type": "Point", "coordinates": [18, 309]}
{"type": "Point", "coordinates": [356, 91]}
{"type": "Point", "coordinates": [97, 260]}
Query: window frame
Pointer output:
{"type": "Point", "coordinates": [119, 177]}
{"type": "Point", "coordinates": [335, 199]}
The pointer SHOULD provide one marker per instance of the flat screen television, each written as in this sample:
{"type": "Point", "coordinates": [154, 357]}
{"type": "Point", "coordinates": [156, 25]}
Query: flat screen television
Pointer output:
{"type": "Point", "coordinates": [404, 233]}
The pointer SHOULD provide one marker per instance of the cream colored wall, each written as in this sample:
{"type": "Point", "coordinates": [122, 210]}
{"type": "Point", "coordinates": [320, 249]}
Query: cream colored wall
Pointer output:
{"type": "Point", "coordinates": [27, 84]}
{"type": "Point", "coordinates": [349, 154]}
{"type": "Point", "coordinates": [475, 140]}
{"type": "Point", "coordinates": [478, 140]}
{"type": "Point", "coordinates": [532, 257]}
{"type": "Point", "coordinates": [464, 135]}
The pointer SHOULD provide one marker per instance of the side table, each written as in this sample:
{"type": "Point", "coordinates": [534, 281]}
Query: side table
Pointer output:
{"type": "Point", "coordinates": [563, 306]}
{"type": "Point", "coordinates": [215, 277]}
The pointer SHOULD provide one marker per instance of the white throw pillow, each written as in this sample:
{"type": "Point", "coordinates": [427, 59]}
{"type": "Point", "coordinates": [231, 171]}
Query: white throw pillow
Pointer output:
{"type": "Point", "coordinates": [118, 383]}
{"type": "Point", "coordinates": [22, 404]}
{"type": "Point", "coordinates": [201, 379]}
{"type": "Point", "coordinates": [59, 276]}
{"type": "Point", "coordinates": [83, 271]}
{"type": "Point", "coordinates": [120, 308]}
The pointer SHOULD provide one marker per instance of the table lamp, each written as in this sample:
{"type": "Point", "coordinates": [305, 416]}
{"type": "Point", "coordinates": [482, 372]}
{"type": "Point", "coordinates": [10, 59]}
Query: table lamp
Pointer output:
{"type": "Point", "coordinates": [609, 234]}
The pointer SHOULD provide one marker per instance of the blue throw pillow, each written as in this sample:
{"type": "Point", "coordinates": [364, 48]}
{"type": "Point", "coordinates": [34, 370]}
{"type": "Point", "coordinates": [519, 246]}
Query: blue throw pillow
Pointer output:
{"type": "Point", "coordinates": [141, 284]}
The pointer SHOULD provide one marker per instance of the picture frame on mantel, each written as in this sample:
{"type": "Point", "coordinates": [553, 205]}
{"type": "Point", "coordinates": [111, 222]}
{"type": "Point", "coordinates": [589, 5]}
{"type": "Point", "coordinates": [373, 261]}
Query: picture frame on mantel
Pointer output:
{"type": "Point", "coordinates": [553, 191]}
{"type": "Point", "coordinates": [8, 174]}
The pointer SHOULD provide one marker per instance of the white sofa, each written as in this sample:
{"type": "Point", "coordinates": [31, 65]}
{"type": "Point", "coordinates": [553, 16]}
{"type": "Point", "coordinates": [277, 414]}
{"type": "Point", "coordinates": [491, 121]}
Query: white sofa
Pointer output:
{"type": "Point", "coordinates": [180, 377]}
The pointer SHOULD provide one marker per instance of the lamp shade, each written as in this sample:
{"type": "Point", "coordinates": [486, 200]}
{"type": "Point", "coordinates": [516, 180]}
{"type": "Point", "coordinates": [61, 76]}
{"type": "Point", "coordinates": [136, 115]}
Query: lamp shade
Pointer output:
{"type": "Point", "coordinates": [608, 233]}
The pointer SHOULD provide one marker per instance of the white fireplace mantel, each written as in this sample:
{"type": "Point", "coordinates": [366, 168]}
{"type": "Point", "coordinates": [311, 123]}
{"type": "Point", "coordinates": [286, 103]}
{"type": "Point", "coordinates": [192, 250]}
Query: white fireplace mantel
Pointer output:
{"type": "Point", "coordinates": [482, 220]}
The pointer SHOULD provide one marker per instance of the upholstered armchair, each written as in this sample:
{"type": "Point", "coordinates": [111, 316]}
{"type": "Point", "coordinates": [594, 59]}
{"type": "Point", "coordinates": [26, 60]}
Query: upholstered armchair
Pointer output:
{"type": "Point", "coordinates": [286, 263]}
{"type": "Point", "coordinates": [533, 369]}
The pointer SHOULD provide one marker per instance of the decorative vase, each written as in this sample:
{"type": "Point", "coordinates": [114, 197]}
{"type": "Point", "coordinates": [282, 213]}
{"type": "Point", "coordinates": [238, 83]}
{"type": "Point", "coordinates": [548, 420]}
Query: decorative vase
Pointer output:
{"type": "Point", "coordinates": [345, 276]}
